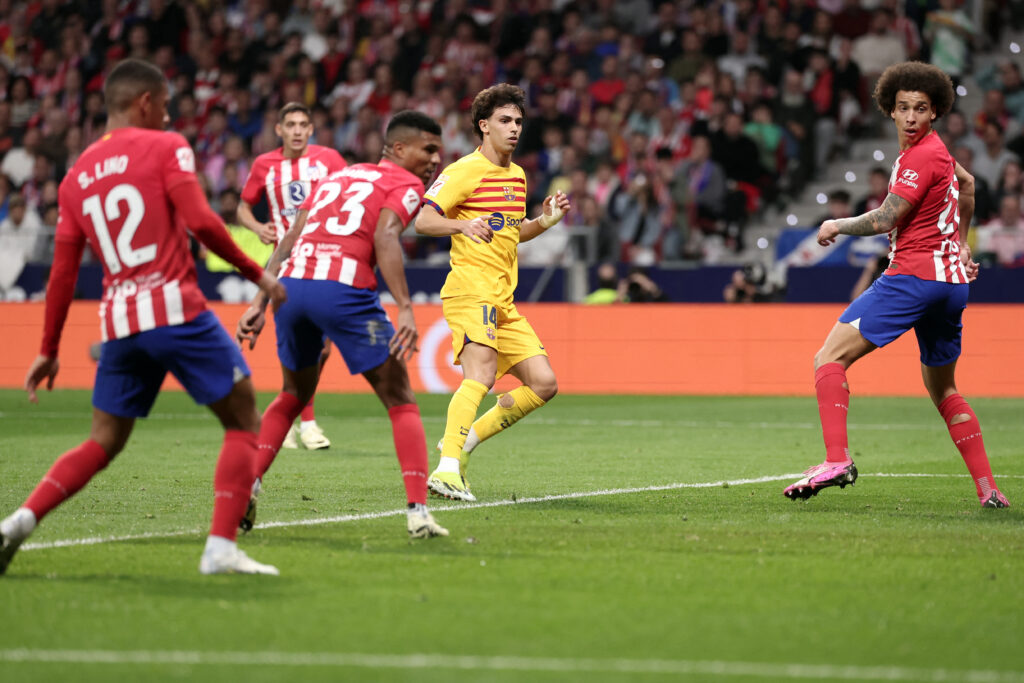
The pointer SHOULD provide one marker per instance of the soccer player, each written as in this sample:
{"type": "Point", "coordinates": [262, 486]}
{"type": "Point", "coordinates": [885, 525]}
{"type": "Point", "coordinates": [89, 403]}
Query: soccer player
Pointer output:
{"type": "Point", "coordinates": [485, 191]}
{"type": "Point", "coordinates": [285, 176]}
{"type": "Point", "coordinates": [352, 222]}
{"type": "Point", "coordinates": [130, 196]}
{"type": "Point", "coordinates": [927, 214]}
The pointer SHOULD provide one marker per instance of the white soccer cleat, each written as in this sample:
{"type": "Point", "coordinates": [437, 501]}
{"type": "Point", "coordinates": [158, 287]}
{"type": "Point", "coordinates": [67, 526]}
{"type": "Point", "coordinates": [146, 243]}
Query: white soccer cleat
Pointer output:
{"type": "Point", "coordinates": [13, 532]}
{"type": "Point", "coordinates": [313, 438]}
{"type": "Point", "coordinates": [291, 439]}
{"type": "Point", "coordinates": [233, 561]}
{"type": "Point", "coordinates": [421, 524]}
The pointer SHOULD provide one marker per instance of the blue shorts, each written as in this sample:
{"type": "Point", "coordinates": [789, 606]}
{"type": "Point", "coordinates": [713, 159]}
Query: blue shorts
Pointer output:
{"type": "Point", "coordinates": [199, 354]}
{"type": "Point", "coordinates": [895, 303]}
{"type": "Point", "coordinates": [352, 318]}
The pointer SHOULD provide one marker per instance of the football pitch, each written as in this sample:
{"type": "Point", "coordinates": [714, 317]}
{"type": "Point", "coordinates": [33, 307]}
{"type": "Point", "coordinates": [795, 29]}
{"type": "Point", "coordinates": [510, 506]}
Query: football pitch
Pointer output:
{"type": "Point", "coordinates": [615, 538]}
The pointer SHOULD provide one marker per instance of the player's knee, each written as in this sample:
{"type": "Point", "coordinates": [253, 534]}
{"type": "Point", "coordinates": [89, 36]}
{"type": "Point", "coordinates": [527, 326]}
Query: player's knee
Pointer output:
{"type": "Point", "coordinates": [546, 388]}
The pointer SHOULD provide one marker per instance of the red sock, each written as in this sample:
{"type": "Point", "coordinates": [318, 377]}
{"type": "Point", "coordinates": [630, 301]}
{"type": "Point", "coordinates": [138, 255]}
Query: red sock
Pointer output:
{"type": "Point", "coordinates": [232, 482]}
{"type": "Point", "coordinates": [277, 420]}
{"type": "Point", "coordinates": [411, 447]}
{"type": "Point", "coordinates": [307, 413]}
{"type": "Point", "coordinates": [833, 404]}
{"type": "Point", "coordinates": [967, 438]}
{"type": "Point", "coordinates": [66, 477]}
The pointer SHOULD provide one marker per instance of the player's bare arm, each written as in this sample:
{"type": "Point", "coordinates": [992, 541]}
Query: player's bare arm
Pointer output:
{"type": "Point", "coordinates": [388, 248]}
{"type": "Point", "coordinates": [876, 222]}
{"type": "Point", "coordinates": [265, 231]}
{"type": "Point", "coordinates": [966, 208]}
{"type": "Point", "coordinates": [433, 224]}
{"type": "Point", "coordinates": [555, 207]}
{"type": "Point", "coordinates": [252, 321]}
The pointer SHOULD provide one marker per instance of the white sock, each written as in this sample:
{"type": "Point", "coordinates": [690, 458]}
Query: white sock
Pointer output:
{"type": "Point", "coordinates": [218, 544]}
{"type": "Point", "coordinates": [19, 524]}
{"type": "Point", "coordinates": [472, 441]}
{"type": "Point", "coordinates": [306, 424]}
{"type": "Point", "coordinates": [418, 509]}
{"type": "Point", "coordinates": [448, 465]}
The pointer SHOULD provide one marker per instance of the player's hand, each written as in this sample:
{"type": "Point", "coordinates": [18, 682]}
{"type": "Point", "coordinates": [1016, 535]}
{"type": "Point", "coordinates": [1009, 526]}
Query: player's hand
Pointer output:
{"type": "Point", "coordinates": [478, 230]}
{"type": "Point", "coordinates": [403, 344]}
{"type": "Point", "coordinates": [43, 367]}
{"type": "Point", "coordinates": [827, 233]}
{"type": "Point", "coordinates": [555, 207]}
{"type": "Point", "coordinates": [250, 325]}
{"type": "Point", "coordinates": [273, 289]}
{"type": "Point", "coordinates": [267, 233]}
{"type": "Point", "coordinates": [970, 265]}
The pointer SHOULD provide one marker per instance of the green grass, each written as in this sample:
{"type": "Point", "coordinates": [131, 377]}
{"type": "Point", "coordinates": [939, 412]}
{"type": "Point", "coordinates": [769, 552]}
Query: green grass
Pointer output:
{"type": "Point", "coordinates": [897, 572]}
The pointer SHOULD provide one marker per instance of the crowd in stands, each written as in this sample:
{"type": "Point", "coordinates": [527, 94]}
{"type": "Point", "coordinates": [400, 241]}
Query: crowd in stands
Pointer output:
{"type": "Point", "coordinates": [668, 123]}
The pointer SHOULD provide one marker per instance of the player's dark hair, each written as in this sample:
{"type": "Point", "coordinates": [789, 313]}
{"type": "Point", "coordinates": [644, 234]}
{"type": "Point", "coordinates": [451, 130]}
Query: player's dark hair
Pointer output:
{"type": "Point", "coordinates": [406, 120]}
{"type": "Point", "coordinates": [128, 80]}
{"type": "Point", "coordinates": [291, 108]}
{"type": "Point", "coordinates": [495, 97]}
{"type": "Point", "coordinates": [914, 76]}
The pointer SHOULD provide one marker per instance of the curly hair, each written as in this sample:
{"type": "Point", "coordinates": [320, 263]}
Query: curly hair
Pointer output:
{"type": "Point", "coordinates": [914, 77]}
{"type": "Point", "coordinates": [489, 99]}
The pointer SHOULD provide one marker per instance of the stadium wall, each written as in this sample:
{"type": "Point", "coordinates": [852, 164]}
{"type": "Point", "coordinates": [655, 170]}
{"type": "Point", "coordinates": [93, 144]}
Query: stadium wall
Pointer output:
{"type": "Point", "coordinates": [754, 349]}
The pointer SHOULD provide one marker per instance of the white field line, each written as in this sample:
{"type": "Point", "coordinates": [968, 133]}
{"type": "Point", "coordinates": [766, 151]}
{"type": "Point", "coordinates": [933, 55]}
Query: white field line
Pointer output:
{"type": "Point", "coordinates": [559, 422]}
{"type": "Point", "coordinates": [770, 670]}
{"type": "Point", "coordinates": [456, 507]}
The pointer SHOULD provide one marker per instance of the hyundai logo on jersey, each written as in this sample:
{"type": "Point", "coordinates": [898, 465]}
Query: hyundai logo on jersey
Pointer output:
{"type": "Point", "coordinates": [910, 175]}
{"type": "Point", "coordinates": [297, 191]}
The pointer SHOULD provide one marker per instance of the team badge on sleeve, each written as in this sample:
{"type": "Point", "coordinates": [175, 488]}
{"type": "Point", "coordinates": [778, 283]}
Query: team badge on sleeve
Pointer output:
{"type": "Point", "coordinates": [438, 184]}
{"type": "Point", "coordinates": [186, 159]}
{"type": "Point", "coordinates": [411, 200]}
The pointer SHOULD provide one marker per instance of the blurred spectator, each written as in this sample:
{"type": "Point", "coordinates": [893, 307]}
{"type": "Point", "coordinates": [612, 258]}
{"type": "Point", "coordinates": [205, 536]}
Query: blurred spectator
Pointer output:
{"type": "Point", "coordinates": [880, 47]}
{"type": "Point", "coordinates": [948, 31]}
{"type": "Point", "coordinates": [852, 21]}
{"type": "Point", "coordinates": [1001, 240]}
{"type": "Point", "coordinates": [955, 132]}
{"type": "Point", "coordinates": [749, 285]}
{"type": "Point", "coordinates": [838, 207]}
{"type": "Point", "coordinates": [993, 108]}
{"type": "Point", "coordinates": [989, 163]}
{"type": "Point", "coordinates": [23, 102]}
{"type": "Point", "coordinates": [878, 190]}
{"type": "Point", "coordinates": [740, 57]}
{"type": "Point", "coordinates": [706, 181]}
{"type": "Point", "coordinates": [231, 157]}
{"type": "Point", "coordinates": [20, 161]}
{"type": "Point", "coordinates": [608, 289]}
{"type": "Point", "coordinates": [796, 116]}
{"type": "Point", "coordinates": [19, 233]}
{"type": "Point", "coordinates": [1011, 182]}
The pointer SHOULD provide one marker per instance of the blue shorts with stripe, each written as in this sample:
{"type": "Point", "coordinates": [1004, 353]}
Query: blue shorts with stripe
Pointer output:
{"type": "Point", "coordinates": [895, 303]}
{"type": "Point", "coordinates": [199, 353]}
{"type": "Point", "coordinates": [350, 317]}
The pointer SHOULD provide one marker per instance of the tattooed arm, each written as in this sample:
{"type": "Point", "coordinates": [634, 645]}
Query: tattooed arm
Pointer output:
{"type": "Point", "coordinates": [876, 222]}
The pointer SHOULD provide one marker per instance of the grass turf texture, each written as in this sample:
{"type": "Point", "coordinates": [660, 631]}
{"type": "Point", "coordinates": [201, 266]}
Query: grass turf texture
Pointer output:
{"type": "Point", "coordinates": [895, 572]}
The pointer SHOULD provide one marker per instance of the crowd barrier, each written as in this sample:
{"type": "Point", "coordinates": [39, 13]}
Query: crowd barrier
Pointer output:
{"type": "Point", "coordinates": [704, 349]}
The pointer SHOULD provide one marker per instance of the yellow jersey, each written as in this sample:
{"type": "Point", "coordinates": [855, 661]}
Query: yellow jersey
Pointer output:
{"type": "Point", "coordinates": [472, 187]}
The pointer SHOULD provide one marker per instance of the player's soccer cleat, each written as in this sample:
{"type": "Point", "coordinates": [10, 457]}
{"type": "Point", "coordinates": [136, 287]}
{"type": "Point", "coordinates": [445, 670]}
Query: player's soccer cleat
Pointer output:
{"type": "Point", "coordinates": [233, 561]}
{"type": "Point", "coordinates": [450, 485]}
{"type": "Point", "coordinates": [463, 461]}
{"type": "Point", "coordinates": [994, 500]}
{"type": "Point", "coordinates": [821, 477]}
{"type": "Point", "coordinates": [421, 524]}
{"type": "Point", "coordinates": [249, 519]}
{"type": "Point", "coordinates": [13, 532]}
{"type": "Point", "coordinates": [9, 546]}
{"type": "Point", "coordinates": [291, 439]}
{"type": "Point", "coordinates": [312, 437]}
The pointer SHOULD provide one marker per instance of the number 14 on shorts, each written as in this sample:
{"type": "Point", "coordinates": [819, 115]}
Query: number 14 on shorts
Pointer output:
{"type": "Point", "coordinates": [490, 314]}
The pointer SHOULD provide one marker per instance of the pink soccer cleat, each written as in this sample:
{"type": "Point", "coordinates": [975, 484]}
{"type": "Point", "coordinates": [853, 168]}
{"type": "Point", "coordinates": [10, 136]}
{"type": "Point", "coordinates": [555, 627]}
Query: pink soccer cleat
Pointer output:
{"type": "Point", "coordinates": [821, 477]}
{"type": "Point", "coordinates": [995, 500]}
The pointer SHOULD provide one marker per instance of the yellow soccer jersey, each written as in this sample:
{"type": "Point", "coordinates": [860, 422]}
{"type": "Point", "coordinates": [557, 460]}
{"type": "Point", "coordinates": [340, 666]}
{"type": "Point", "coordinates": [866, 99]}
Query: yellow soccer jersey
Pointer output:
{"type": "Point", "coordinates": [471, 187]}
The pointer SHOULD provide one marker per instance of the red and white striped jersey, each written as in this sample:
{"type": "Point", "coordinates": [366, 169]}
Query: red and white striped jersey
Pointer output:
{"type": "Point", "coordinates": [337, 240]}
{"type": "Point", "coordinates": [287, 182]}
{"type": "Point", "coordinates": [926, 244]}
{"type": "Point", "coordinates": [116, 195]}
